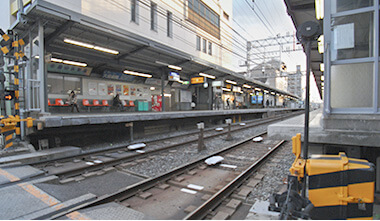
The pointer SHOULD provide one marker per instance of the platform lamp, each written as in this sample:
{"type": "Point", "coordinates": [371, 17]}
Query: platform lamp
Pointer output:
{"type": "Point", "coordinates": [307, 33]}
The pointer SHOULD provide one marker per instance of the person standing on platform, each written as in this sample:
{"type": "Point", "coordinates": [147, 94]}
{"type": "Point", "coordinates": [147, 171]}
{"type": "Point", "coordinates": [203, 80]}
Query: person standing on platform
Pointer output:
{"type": "Point", "coordinates": [267, 104]}
{"type": "Point", "coordinates": [217, 102]}
{"type": "Point", "coordinates": [116, 103]}
{"type": "Point", "coordinates": [73, 101]}
{"type": "Point", "coordinates": [228, 103]}
{"type": "Point", "coordinates": [193, 101]}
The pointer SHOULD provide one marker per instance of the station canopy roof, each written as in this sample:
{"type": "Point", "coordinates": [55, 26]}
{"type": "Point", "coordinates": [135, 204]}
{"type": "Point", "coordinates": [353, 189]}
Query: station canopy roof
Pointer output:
{"type": "Point", "coordinates": [136, 53]}
{"type": "Point", "coordinates": [302, 11]}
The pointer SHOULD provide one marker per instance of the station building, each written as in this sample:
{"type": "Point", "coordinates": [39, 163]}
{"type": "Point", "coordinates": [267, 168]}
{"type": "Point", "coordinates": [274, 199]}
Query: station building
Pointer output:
{"type": "Point", "coordinates": [157, 55]}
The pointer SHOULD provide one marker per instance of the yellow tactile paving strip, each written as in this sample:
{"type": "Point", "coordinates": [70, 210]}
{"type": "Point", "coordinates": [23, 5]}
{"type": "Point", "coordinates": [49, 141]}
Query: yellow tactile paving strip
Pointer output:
{"type": "Point", "coordinates": [41, 195]}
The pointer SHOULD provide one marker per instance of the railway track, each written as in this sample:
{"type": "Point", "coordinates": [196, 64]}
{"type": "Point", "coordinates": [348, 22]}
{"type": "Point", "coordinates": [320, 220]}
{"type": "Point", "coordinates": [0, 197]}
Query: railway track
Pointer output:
{"type": "Point", "coordinates": [100, 162]}
{"type": "Point", "coordinates": [194, 190]}
{"type": "Point", "coordinates": [67, 167]}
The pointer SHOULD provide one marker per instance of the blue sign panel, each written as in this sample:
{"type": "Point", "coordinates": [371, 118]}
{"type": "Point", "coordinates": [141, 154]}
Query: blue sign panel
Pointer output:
{"type": "Point", "coordinates": [118, 76]}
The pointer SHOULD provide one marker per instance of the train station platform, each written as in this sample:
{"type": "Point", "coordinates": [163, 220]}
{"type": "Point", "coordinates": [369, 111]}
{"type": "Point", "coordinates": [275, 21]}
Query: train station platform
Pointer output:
{"type": "Point", "coordinates": [319, 134]}
{"type": "Point", "coordinates": [75, 119]}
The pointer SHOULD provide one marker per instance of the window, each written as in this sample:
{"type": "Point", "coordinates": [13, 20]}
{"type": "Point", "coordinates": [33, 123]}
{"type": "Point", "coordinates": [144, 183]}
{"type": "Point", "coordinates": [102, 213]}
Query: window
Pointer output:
{"type": "Point", "coordinates": [226, 16]}
{"type": "Point", "coordinates": [204, 17]}
{"type": "Point", "coordinates": [60, 84]}
{"type": "Point", "coordinates": [351, 89]}
{"type": "Point", "coordinates": [198, 43]}
{"type": "Point", "coordinates": [169, 24]}
{"type": "Point", "coordinates": [353, 36]}
{"type": "Point", "coordinates": [204, 46]}
{"type": "Point", "coordinates": [153, 16]}
{"type": "Point", "coordinates": [346, 5]}
{"type": "Point", "coordinates": [134, 10]}
{"type": "Point", "coordinates": [209, 48]}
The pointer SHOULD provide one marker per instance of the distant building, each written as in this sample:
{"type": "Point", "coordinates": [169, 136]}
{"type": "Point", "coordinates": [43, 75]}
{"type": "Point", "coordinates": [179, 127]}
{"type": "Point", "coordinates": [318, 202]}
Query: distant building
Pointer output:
{"type": "Point", "coordinates": [295, 83]}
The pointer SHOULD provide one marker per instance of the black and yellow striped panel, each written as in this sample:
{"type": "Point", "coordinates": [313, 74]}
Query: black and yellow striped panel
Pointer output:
{"type": "Point", "coordinates": [8, 138]}
{"type": "Point", "coordinates": [8, 145]}
{"type": "Point", "coordinates": [5, 37]}
{"type": "Point", "coordinates": [350, 211]}
{"type": "Point", "coordinates": [5, 50]}
{"type": "Point", "coordinates": [21, 42]}
{"type": "Point", "coordinates": [335, 185]}
{"type": "Point", "coordinates": [15, 44]}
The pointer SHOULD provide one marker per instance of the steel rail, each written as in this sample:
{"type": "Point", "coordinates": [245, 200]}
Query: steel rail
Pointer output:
{"type": "Point", "coordinates": [218, 197]}
{"type": "Point", "coordinates": [149, 183]}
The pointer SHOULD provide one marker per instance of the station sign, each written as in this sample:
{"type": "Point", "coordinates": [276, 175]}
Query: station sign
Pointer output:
{"type": "Point", "coordinates": [197, 80]}
{"type": "Point", "coordinates": [236, 89]}
{"type": "Point", "coordinates": [217, 83]}
{"type": "Point", "coordinates": [173, 76]}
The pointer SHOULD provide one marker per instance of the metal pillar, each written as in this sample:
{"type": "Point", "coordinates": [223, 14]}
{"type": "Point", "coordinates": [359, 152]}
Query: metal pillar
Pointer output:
{"type": "Point", "coordinates": [210, 94]}
{"type": "Point", "coordinates": [163, 77]}
{"type": "Point", "coordinates": [229, 136]}
{"type": "Point", "coordinates": [41, 67]}
{"type": "Point", "coordinates": [201, 144]}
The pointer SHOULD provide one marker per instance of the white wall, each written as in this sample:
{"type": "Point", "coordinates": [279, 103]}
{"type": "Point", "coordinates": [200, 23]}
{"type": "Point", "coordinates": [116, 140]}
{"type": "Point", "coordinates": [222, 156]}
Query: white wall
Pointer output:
{"type": "Point", "coordinates": [118, 13]}
{"type": "Point", "coordinates": [4, 14]}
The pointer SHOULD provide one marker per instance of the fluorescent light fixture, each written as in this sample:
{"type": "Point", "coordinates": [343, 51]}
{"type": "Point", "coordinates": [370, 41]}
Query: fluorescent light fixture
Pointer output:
{"type": "Point", "coordinates": [322, 84]}
{"type": "Point", "coordinates": [110, 51]}
{"type": "Point", "coordinates": [152, 88]}
{"type": "Point", "coordinates": [231, 82]}
{"type": "Point", "coordinates": [167, 95]}
{"type": "Point", "coordinates": [169, 65]}
{"type": "Point", "coordinates": [174, 67]}
{"type": "Point", "coordinates": [319, 9]}
{"type": "Point", "coordinates": [272, 93]}
{"type": "Point", "coordinates": [207, 75]}
{"type": "Point", "coordinates": [265, 91]}
{"type": "Point", "coordinates": [78, 43]}
{"type": "Point", "coordinates": [75, 63]}
{"type": "Point", "coordinates": [162, 63]}
{"type": "Point", "coordinates": [241, 92]}
{"type": "Point", "coordinates": [322, 67]}
{"type": "Point", "coordinates": [180, 81]}
{"type": "Point", "coordinates": [257, 89]}
{"type": "Point", "coordinates": [56, 60]}
{"type": "Point", "coordinates": [37, 56]}
{"type": "Point", "coordinates": [137, 74]}
{"type": "Point", "coordinates": [246, 86]}
{"type": "Point", "coordinates": [322, 78]}
{"type": "Point", "coordinates": [90, 46]}
{"type": "Point", "coordinates": [226, 89]}
{"type": "Point", "coordinates": [321, 43]}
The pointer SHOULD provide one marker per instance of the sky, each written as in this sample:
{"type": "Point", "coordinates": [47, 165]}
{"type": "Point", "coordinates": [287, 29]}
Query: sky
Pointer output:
{"type": "Point", "coordinates": [260, 19]}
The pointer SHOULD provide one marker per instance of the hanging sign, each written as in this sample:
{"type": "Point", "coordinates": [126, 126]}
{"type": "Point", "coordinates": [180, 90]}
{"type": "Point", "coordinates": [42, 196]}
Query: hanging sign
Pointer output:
{"type": "Point", "coordinates": [197, 80]}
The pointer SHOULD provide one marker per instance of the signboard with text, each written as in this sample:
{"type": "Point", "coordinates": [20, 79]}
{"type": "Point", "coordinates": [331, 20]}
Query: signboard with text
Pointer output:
{"type": "Point", "coordinates": [197, 80]}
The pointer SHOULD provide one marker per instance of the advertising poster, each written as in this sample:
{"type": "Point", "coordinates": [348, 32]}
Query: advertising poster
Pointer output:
{"type": "Point", "coordinates": [92, 88]}
{"type": "Point", "coordinates": [102, 89]}
{"type": "Point", "coordinates": [132, 90]}
{"type": "Point", "coordinates": [125, 89]}
{"type": "Point", "coordinates": [118, 89]}
{"type": "Point", "coordinates": [110, 89]}
{"type": "Point", "coordinates": [254, 99]}
{"type": "Point", "coordinates": [156, 103]}
{"type": "Point", "coordinates": [260, 98]}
